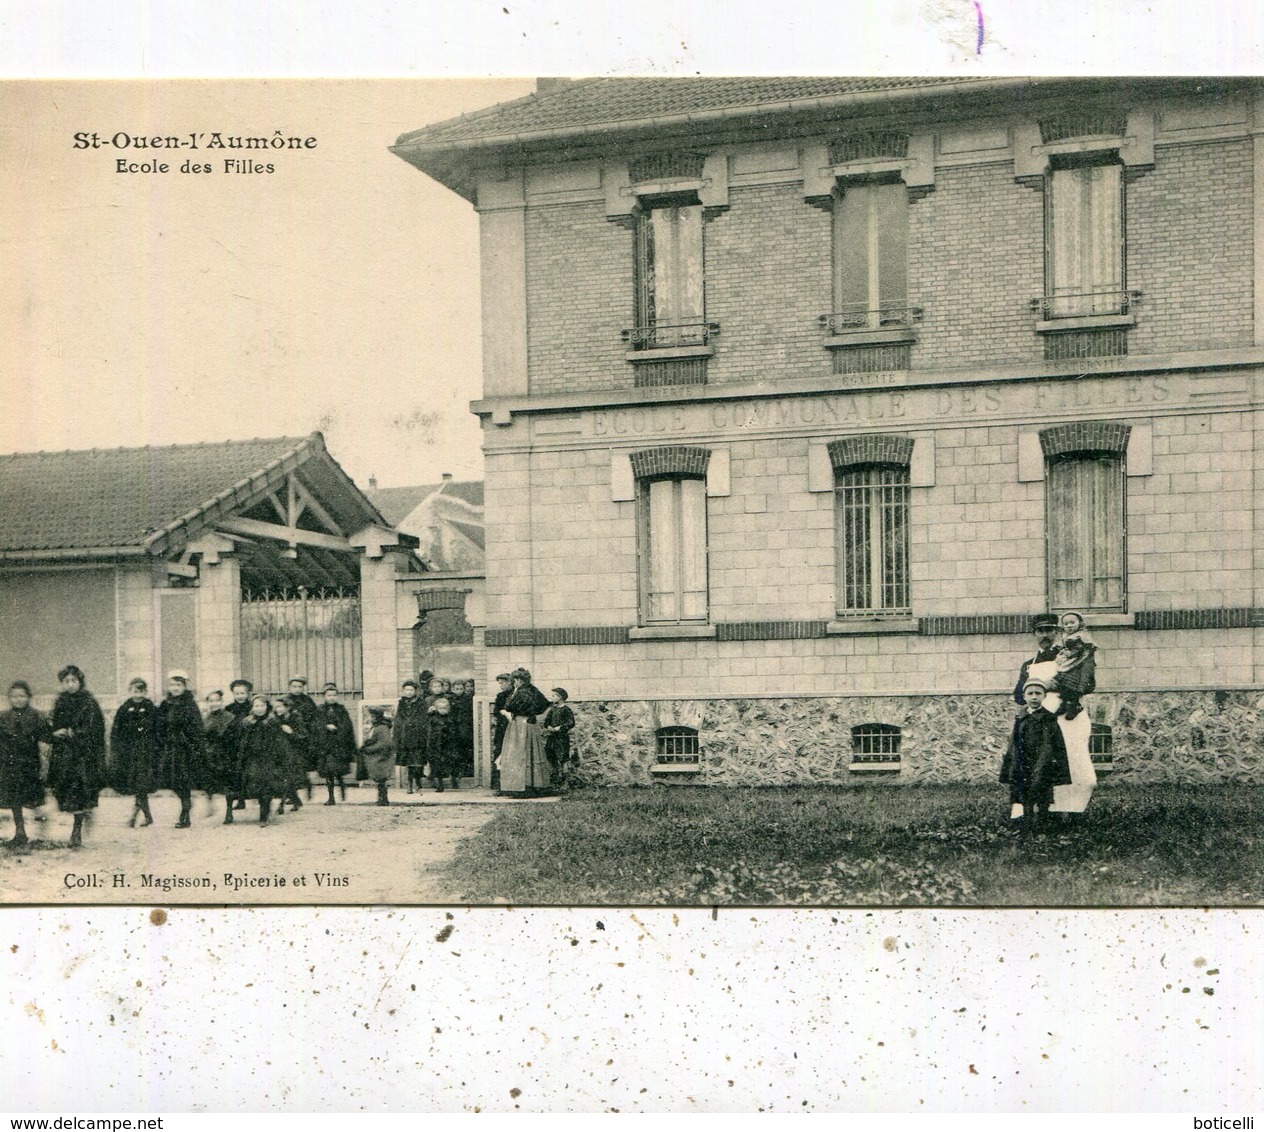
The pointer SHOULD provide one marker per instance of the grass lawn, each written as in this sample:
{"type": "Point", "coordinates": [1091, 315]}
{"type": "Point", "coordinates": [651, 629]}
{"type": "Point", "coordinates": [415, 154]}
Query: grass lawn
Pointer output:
{"type": "Point", "coordinates": [876, 844]}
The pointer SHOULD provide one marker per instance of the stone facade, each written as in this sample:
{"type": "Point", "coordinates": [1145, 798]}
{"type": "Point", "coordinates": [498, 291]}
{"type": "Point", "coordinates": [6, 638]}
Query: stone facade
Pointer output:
{"type": "Point", "coordinates": [779, 668]}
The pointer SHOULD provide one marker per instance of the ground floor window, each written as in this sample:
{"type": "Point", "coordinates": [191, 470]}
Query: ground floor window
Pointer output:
{"type": "Point", "coordinates": [872, 514]}
{"type": "Point", "coordinates": [673, 546]}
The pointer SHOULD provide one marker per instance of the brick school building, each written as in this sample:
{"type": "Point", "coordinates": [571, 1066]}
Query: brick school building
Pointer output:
{"type": "Point", "coordinates": [801, 396]}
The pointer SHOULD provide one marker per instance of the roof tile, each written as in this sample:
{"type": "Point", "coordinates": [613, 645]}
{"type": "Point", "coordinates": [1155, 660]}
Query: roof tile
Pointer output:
{"type": "Point", "coordinates": [116, 497]}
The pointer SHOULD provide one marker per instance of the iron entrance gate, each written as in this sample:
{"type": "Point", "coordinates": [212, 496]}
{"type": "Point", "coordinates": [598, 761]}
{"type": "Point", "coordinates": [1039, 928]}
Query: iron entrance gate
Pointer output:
{"type": "Point", "coordinates": [313, 633]}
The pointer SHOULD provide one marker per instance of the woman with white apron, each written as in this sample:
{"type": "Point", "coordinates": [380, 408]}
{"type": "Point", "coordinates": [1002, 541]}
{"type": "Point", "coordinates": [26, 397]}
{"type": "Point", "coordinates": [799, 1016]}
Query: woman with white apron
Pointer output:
{"type": "Point", "coordinates": [1070, 677]}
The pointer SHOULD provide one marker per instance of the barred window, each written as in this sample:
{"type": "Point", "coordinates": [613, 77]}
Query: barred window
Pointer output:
{"type": "Point", "coordinates": [670, 305]}
{"type": "Point", "coordinates": [875, 743]}
{"type": "Point", "coordinates": [677, 745]}
{"type": "Point", "coordinates": [872, 516]}
{"type": "Point", "coordinates": [1084, 239]}
{"type": "Point", "coordinates": [1084, 500]}
{"type": "Point", "coordinates": [871, 256]}
{"type": "Point", "coordinates": [673, 550]}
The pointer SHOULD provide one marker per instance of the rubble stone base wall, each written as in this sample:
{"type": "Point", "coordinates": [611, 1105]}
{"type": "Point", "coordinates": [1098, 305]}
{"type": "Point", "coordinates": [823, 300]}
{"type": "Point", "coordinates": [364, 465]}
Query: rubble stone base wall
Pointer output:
{"type": "Point", "coordinates": [1156, 736]}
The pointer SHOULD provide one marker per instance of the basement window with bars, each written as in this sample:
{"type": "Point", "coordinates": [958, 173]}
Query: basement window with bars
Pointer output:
{"type": "Point", "coordinates": [1100, 746]}
{"type": "Point", "coordinates": [677, 746]}
{"type": "Point", "coordinates": [875, 747]}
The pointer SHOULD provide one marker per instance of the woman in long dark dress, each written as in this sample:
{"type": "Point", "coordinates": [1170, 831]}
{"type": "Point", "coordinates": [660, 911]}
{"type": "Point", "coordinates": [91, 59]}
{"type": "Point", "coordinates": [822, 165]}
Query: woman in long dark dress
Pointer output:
{"type": "Point", "coordinates": [182, 740]}
{"type": "Point", "coordinates": [523, 768]}
{"type": "Point", "coordinates": [334, 742]}
{"type": "Point", "coordinates": [76, 771]}
{"type": "Point", "coordinates": [22, 730]}
{"type": "Point", "coordinates": [263, 761]}
{"type": "Point", "coordinates": [133, 743]}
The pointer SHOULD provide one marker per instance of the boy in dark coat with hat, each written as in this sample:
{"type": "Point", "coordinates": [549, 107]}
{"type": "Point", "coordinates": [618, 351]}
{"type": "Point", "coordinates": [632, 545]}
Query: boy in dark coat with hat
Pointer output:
{"type": "Point", "coordinates": [1036, 759]}
{"type": "Point", "coordinates": [133, 748]}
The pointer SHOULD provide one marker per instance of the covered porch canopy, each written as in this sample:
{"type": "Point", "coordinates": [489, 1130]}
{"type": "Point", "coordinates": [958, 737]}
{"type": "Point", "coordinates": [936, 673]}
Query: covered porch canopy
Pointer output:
{"type": "Point", "coordinates": [138, 560]}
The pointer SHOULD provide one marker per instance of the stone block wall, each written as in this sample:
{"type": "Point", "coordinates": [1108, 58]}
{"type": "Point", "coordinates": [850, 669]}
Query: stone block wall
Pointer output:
{"type": "Point", "coordinates": [1199, 737]}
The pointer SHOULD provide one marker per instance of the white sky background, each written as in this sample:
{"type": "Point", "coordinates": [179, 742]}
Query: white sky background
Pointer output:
{"type": "Point", "coordinates": [338, 293]}
{"type": "Point", "coordinates": [341, 292]}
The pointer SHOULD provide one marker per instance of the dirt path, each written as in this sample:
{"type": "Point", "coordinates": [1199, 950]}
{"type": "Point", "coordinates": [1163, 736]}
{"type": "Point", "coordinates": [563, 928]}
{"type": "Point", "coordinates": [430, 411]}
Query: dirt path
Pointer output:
{"type": "Point", "coordinates": [353, 853]}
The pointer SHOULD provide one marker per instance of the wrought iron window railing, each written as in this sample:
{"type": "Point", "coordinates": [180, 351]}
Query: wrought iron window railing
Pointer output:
{"type": "Point", "coordinates": [1081, 303]}
{"type": "Point", "coordinates": [859, 317]}
{"type": "Point", "coordinates": [666, 335]}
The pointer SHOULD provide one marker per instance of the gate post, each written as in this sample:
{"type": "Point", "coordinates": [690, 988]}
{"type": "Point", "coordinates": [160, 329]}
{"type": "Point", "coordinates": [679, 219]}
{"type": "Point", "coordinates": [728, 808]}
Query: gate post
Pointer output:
{"type": "Point", "coordinates": [217, 614]}
{"type": "Point", "coordinates": [382, 559]}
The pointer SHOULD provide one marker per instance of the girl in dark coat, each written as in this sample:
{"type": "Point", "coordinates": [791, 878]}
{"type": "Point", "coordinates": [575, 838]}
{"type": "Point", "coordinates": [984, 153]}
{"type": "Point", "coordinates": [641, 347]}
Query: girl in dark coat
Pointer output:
{"type": "Point", "coordinates": [22, 730]}
{"type": "Point", "coordinates": [463, 722]}
{"type": "Point", "coordinates": [334, 742]}
{"type": "Point", "coordinates": [132, 748]}
{"type": "Point", "coordinates": [409, 733]}
{"type": "Point", "coordinates": [221, 753]}
{"type": "Point", "coordinates": [377, 751]}
{"type": "Point", "coordinates": [238, 707]}
{"type": "Point", "coordinates": [292, 738]}
{"type": "Point", "coordinates": [441, 743]}
{"type": "Point", "coordinates": [303, 710]}
{"type": "Point", "coordinates": [499, 724]}
{"type": "Point", "coordinates": [1036, 759]}
{"type": "Point", "coordinates": [262, 758]}
{"type": "Point", "coordinates": [76, 771]}
{"type": "Point", "coordinates": [182, 741]}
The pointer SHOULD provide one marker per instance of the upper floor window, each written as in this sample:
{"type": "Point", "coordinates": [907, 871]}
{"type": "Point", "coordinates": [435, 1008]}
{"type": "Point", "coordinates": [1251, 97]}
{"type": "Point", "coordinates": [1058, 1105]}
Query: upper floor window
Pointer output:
{"type": "Point", "coordinates": [672, 534]}
{"type": "Point", "coordinates": [1084, 515]}
{"type": "Point", "coordinates": [871, 508]}
{"type": "Point", "coordinates": [1084, 241]}
{"type": "Point", "coordinates": [870, 256]}
{"type": "Point", "coordinates": [670, 302]}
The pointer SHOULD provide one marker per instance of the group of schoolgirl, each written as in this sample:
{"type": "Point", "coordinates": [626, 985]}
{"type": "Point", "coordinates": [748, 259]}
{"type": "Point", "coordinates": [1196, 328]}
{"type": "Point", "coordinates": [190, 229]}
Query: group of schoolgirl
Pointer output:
{"type": "Point", "coordinates": [253, 747]}
{"type": "Point", "coordinates": [433, 731]}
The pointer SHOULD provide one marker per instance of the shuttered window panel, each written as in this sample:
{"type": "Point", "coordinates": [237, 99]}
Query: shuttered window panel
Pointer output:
{"type": "Point", "coordinates": [674, 550]}
{"type": "Point", "coordinates": [1085, 504]}
{"type": "Point", "coordinates": [1086, 241]}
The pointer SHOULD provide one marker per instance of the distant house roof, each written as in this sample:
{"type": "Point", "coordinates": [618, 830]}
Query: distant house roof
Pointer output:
{"type": "Point", "coordinates": [446, 518]}
{"type": "Point", "coordinates": [397, 503]}
{"type": "Point", "coordinates": [150, 500]}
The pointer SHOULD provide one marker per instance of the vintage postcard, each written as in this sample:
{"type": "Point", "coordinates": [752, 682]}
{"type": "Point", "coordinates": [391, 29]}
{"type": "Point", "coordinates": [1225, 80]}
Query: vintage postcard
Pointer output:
{"type": "Point", "coordinates": [722, 491]}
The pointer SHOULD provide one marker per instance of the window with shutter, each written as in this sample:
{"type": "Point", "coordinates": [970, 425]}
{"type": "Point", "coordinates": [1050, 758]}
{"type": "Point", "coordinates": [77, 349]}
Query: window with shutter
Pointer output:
{"type": "Point", "coordinates": [673, 545]}
{"type": "Point", "coordinates": [871, 256]}
{"type": "Point", "coordinates": [669, 262]}
{"type": "Point", "coordinates": [1085, 531]}
{"type": "Point", "coordinates": [1085, 240]}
